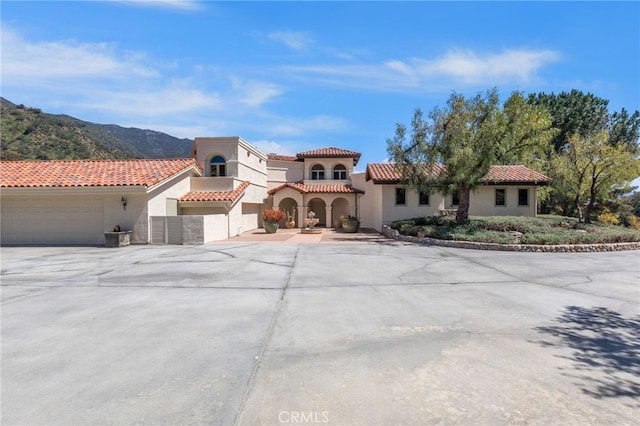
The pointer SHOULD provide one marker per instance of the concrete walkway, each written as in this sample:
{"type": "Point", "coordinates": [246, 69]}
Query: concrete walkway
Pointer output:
{"type": "Point", "coordinates": [326, 236]}
{"type": "Point", "coordinates": [362, 333]}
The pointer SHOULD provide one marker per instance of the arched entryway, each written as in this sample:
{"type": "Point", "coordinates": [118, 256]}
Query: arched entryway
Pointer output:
{"type": "Point", "coordinates": [290, 207]}
{"type": "Point", "coordinates": [318, 206]}
{"type": "Point", "coordinates": [339, 207]}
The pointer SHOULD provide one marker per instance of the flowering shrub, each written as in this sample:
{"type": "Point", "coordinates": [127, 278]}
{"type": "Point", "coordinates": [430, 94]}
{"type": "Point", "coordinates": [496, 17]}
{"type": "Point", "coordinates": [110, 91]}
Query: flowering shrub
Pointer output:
{"type": "Point", "coordinates": [634, 222]}
{"type": "Point", "coordinates": [272, 215]}
{"type": "Point", "coordinates": [607, 217]}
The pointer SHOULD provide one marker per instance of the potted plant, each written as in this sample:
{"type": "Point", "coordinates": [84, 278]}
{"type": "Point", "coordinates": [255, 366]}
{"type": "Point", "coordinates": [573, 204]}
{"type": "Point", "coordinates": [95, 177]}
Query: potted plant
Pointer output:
{"type": "Point", "coordinates": [350, 224]}
{"type": "Point", "coordinates": [338, 222]}
{"type": "Point", "coordinates": [271, 218]}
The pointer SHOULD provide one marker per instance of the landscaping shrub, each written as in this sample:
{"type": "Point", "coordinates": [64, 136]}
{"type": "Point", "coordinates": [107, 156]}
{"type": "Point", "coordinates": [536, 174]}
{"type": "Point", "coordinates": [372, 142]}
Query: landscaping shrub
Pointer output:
{"type": "Point", "coordinates": [608, 217]}
{"type": "Point", "coordinates": [546, 230]}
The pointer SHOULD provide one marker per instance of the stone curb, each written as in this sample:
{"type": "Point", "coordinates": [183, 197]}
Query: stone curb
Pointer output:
{"type": "Point", "coordinates": [389, 232]}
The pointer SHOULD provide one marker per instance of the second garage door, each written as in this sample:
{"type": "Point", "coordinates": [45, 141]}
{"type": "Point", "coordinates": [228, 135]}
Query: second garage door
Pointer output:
{"type": "Point", "coordinates": [48, 220]}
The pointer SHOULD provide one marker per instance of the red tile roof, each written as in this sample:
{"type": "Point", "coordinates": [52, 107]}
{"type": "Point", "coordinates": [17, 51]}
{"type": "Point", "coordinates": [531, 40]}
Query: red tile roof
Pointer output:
{"type": "Point", "coordinates": [516, 174]}
{"type": "Point", "coordinates": [330, 152]}
{"type": "Point", "coordinates": [382, 173]}
{"type": "Point", "coordinates": [277, 157]}
{"type": "Point", "coordinates": [387, 173]}
{"type": "Point", "coordinates": [72, 173]}
{"type": "Point", "coordinates": [319, 189]}
{"type": "Point", "coordinates": [203, 196]}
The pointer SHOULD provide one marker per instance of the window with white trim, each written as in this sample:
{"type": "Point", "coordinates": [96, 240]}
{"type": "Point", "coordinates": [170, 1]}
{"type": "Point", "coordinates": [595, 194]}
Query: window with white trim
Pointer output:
{"type": "Point", "coordinates": [317, 172]}
{"type": "Point", "coordinates": [339, 172]}
{"type": "Point", "coordinates": [218, 166]}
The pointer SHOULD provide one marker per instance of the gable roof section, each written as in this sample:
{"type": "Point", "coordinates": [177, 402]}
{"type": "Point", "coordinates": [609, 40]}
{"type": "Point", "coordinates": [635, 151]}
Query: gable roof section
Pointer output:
{"type": "Point", "coordinates": [209, 196]}
{"type": "Point", "coordinates": [386, 173]}
{"type": "Point", "coordinates": [318, 189]}
{"type": "Point", "coordinates": [330, 152]}
{"type": "Point", "coordinates": [91, 173]}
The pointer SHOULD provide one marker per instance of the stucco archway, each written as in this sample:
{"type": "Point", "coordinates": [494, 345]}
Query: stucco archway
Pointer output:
{"type": "Point", "coordinates": [318, 206]}
{"type": "Point", "coordinates": [339, 207]}
{"type": "Point", "coordinates": [289, 206]}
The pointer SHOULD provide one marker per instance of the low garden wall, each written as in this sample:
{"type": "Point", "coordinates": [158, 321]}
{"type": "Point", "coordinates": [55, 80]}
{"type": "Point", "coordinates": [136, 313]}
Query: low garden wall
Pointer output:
{"type": "Point", "coordinates": [564, 248]}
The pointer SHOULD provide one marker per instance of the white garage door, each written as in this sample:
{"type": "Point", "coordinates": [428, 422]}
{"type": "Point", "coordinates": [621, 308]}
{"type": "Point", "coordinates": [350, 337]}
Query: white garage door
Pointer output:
{"type": "Point", "coordinates": [46, 220]}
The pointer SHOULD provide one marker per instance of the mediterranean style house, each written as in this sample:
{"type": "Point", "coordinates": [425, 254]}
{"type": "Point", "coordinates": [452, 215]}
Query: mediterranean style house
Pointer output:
{"type": "Point", "coordinates": [220, 192]}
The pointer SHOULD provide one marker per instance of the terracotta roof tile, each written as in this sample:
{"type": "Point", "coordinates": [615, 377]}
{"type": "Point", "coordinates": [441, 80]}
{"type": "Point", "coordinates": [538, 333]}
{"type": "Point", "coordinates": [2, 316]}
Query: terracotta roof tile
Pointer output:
{"type": "Point", "coordinates": [71, 173]}
{"type": "Point", "coordinates": [318, 189]}
{"type": "Point", "coordinates": [517, 173]}
{"type": "Point", "coordinates": [330, 152]}
{"type": "Point", "coordinates": [382, 173]}
{"type": "Point", "coordinates": [204, 196]}
{"type": "Point", "coordinates": [278, 157]}
{"type": "Point", "coordinates": [387, 173]}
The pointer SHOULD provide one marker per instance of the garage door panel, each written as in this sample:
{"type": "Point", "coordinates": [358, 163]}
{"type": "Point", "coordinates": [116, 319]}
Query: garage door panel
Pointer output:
{"type": "Point", "coordinates": [68, 220]}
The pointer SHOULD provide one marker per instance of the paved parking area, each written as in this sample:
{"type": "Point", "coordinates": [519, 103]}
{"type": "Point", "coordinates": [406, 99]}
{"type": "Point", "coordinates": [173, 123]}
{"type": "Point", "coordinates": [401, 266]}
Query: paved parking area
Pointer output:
{"type": "Point", "coordinates": [366, 333]}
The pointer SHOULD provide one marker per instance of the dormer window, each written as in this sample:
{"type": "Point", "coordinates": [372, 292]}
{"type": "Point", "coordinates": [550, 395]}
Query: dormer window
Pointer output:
{"type": "Point", "coordinates": [339, 172]}
{"type": "Point", "coordinates": [317, 172]}
{"type": "Point", "coordinates": [218, 166]}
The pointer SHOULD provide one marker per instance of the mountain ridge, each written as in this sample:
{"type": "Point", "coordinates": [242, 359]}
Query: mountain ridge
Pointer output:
{"type": "Point", "coordinates": [30, 134]}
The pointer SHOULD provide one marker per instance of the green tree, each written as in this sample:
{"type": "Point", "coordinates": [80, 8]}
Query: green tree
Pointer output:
{"type": "Point", "coordinates": [624, 129]}
{"type": "Point", "coordinates": [573, 113]}
{"type": "Point", "coordinates": [582, 114]}
{"type": "Point", "coordinates": [467, 136]}
{"type": "Point", "coordinates": [588, 168]}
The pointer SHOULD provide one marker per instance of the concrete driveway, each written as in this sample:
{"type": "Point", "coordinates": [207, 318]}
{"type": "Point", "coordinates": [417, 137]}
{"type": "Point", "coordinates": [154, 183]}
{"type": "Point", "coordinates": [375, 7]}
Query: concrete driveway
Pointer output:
{"type": "Point", "coordinates": [369, 333]}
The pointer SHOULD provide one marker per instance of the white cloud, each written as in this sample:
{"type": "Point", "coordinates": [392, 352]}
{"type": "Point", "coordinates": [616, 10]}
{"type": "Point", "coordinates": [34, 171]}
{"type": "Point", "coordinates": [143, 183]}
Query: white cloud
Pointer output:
{"type": "Point", "coordinates": [272, 147]}
{"type": "Point", "coordinates": [254, 93]}
{"type": "Point", "coordinates": [293, 39]}
{"type": "Point", "coordinates": [297, 126]}
{"type": "Point", "coordinates": [172, 99]}
{"type": "Point", "coordinates": [455, 68]}
{"type": "Point", "coordinates": [50, 60]}
{"type": "Point", "coordinates": [164, 4]}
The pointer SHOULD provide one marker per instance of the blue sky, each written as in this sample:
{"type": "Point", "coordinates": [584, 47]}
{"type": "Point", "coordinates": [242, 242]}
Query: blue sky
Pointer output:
{"type": "Point", "coordinates": [293, 76]}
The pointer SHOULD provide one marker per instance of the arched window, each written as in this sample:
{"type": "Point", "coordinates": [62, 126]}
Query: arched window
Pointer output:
{"type": "Point", "coordinates": [317, 172]}
{"type": "Point", "coordinates": [339, 172]}
{"type": "Point", "coordinates": [218, 166]}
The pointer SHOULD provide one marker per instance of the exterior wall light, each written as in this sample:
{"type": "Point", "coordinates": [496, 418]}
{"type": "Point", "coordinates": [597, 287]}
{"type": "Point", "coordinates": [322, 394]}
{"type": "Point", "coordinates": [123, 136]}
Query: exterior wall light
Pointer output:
{"type": "Point", "coordinates": [124, 203]}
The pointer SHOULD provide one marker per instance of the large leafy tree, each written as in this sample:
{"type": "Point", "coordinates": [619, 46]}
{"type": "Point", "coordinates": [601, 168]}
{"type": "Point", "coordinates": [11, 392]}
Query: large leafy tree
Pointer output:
{"type": "Point", "coordinates": [584, 115]}
{"type": "Point", "coordinates": [589, 167]}
{"type": "Point", "coordinates": [454, 148]}
{"type": "Point", "coordinates": [573, 113]}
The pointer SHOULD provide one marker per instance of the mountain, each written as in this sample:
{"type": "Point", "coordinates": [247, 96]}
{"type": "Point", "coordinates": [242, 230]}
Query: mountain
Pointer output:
{"type": "Point", "coordinates": [29, 133]}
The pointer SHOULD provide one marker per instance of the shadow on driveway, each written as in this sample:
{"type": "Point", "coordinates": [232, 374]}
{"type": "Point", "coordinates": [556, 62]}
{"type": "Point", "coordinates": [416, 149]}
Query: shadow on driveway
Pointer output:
{"type": "Point", "coordinates": [606, 350]}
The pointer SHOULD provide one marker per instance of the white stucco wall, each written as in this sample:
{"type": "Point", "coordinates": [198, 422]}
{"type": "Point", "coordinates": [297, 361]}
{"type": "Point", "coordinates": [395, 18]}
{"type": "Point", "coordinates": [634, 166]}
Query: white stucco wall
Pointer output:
{"type": "Point", "coordinates": [244, 161]}
{"type": "Point", "coordinates": [482, 202]}
{"type": "Point", "coordinates": [370, 211]}
{"type": "Point", "coordinates": [250, 216]}
{"type": "Point", "coordinates": [280, 172]}
{"type": "Point", "coordinates": [328, 164]}
{"type": "Point", "coordinates": [412, 208]}
{"type": "Point", "coordinates": [202, 229]}
{"type": "Point", "coordinates": [173, 188]}
{"type": "Point", "coordinates": [215, 228]}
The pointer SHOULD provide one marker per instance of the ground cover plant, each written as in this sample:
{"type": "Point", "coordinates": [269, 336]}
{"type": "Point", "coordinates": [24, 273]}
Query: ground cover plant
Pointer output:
{"type": "Point", "coordinates": [545, 229]}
